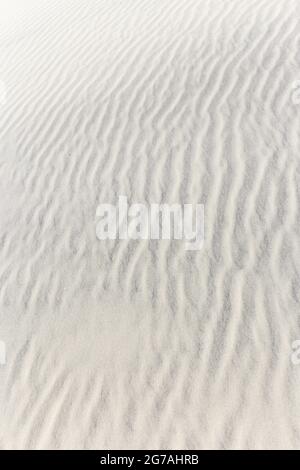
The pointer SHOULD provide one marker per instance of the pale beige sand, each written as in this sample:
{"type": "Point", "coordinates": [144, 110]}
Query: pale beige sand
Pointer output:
{"type": "Point", "coordinates": [142, 344]}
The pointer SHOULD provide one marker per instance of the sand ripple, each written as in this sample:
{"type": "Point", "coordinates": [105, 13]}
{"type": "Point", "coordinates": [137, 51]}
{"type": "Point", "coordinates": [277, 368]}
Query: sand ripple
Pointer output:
{"type": "Point", "coordinates": [129, 344]}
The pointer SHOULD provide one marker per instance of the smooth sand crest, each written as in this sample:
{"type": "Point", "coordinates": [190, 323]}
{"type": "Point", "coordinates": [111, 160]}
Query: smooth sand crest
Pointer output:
{"type": "Point", "coordinates": [141, 344]}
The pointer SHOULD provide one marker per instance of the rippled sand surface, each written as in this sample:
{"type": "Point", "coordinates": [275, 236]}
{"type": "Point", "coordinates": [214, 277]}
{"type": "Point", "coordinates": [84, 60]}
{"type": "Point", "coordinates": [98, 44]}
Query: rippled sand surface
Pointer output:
{"type": "Point", "coordinates": [141, 344]}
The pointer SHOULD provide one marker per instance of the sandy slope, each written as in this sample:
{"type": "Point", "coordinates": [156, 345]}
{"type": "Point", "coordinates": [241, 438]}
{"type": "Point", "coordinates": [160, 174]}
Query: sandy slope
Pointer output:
{"type": "Point", "coordinates": [142, 344]}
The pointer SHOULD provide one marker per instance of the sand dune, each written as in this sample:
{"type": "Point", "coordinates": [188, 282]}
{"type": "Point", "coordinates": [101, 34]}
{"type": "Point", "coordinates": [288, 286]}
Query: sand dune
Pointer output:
{"type": "Point", "coordinates": [141, 344]}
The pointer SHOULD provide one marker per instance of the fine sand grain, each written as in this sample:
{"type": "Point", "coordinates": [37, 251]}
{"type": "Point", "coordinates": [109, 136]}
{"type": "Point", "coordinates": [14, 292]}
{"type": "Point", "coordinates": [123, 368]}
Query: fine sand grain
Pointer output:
{"type": "Point", "coordinates": [141, 344]}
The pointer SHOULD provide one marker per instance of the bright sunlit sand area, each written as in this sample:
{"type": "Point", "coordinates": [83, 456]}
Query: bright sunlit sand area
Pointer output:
{"type": "Point", "coordinates": [119, 332]}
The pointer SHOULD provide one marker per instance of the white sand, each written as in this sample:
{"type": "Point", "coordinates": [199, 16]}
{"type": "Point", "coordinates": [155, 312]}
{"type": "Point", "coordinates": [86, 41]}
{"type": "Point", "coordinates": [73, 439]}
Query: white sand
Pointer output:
{"type": "Point", "coordinates": [134, 344]}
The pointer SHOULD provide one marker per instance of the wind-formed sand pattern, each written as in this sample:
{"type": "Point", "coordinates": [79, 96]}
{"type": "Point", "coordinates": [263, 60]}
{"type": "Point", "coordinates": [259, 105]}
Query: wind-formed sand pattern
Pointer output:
{"type": "Point", "coordinates": [140, 344]}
